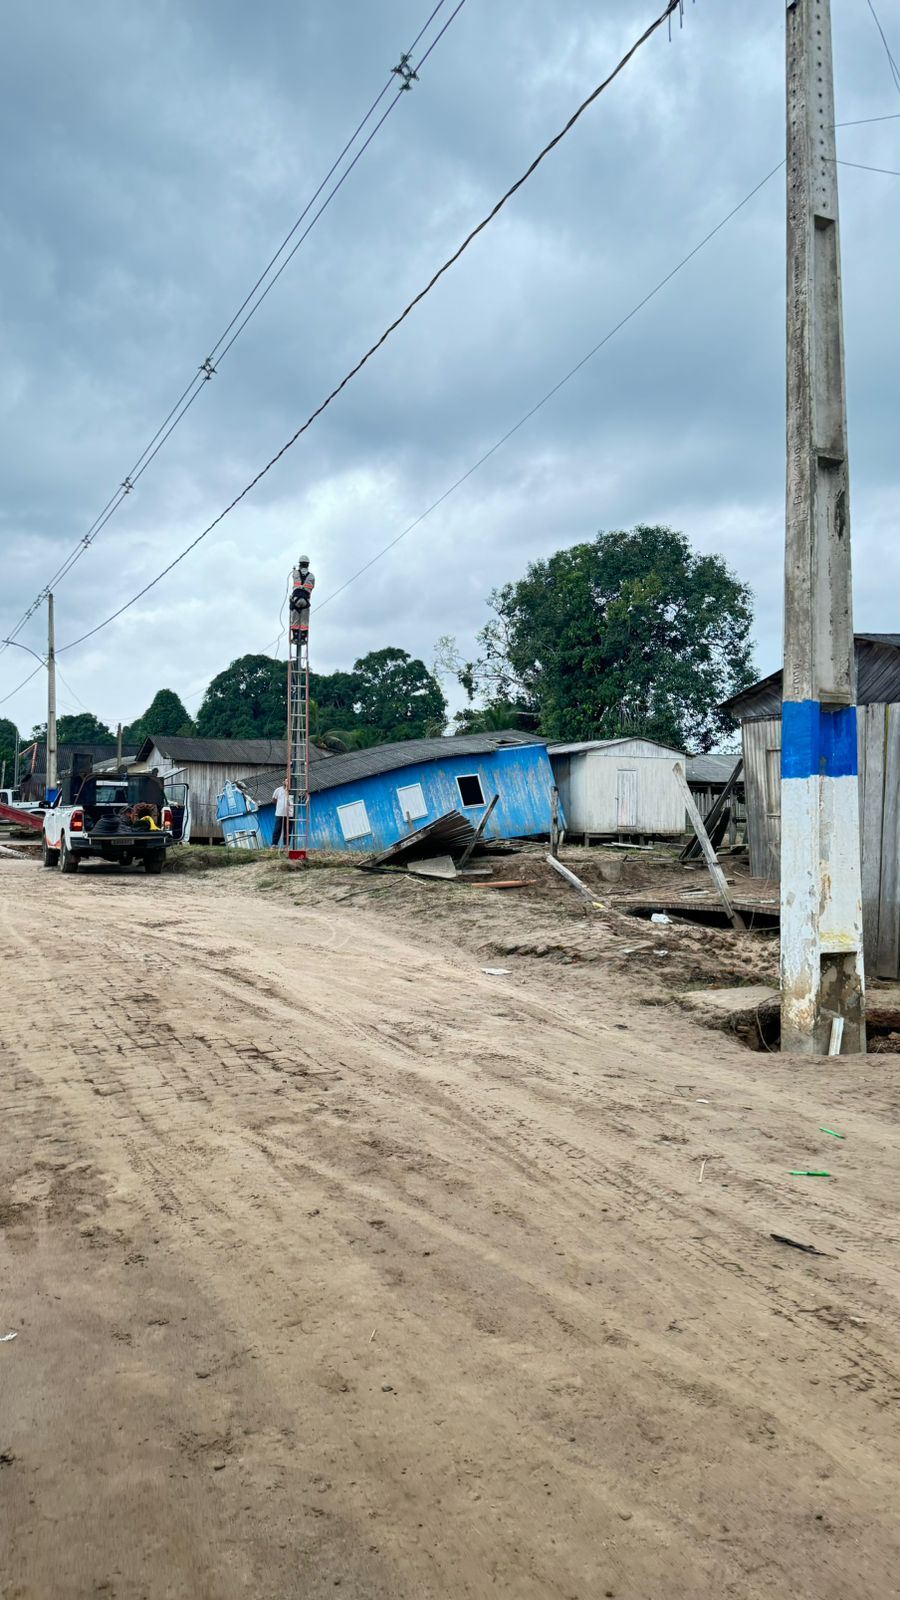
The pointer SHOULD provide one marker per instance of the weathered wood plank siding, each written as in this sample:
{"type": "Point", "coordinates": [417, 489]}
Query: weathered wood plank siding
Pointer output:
{"type": "Point", "coordinates": [762, 789]}
{"type": "Point", "coordinates": [871, 725]}
{"type": "Point", "coordinates": [589, 785]}
{"type": "Point", "coordinates": [887, 960]}
{"type": "Point", "coordinates": [207, 780]}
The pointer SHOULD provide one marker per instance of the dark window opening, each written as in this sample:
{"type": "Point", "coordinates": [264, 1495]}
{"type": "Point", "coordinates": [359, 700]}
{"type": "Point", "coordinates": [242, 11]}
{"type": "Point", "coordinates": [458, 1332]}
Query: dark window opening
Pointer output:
{"type": "Point", "coordinates": [470, 792]}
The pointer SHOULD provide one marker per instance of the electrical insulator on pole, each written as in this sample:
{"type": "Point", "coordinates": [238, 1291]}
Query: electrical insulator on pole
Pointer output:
{"type": "Point", "coordinates": [297, 784]}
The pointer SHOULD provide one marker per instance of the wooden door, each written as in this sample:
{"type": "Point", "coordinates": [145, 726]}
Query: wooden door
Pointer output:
{"type": "Point", "coordinates": [626, 801]}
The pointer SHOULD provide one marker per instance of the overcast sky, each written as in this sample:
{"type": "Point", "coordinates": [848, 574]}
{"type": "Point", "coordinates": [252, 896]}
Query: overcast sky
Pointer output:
{"type": "Point", "coordinates": [152, 158]}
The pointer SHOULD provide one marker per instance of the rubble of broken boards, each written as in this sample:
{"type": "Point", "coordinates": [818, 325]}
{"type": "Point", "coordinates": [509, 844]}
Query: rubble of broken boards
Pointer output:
{"type": "Point", "coordinates": [443, 849]}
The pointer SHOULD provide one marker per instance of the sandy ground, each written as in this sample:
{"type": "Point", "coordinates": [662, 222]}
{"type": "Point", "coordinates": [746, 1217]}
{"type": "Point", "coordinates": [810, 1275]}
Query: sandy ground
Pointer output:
{"type": "Point", "coordinates": [338, 1265]}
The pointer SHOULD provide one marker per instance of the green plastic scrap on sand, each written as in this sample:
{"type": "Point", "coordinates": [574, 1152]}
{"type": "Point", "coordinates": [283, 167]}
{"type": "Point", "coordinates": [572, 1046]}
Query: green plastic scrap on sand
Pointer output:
{"type": "Point", "coordinates": [808, 1172]}
{"type": "Point", "coordinates": [833, 1134]}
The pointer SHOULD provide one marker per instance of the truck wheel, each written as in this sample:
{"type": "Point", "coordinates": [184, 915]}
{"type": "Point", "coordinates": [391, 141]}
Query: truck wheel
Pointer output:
{"type": "Point", "coordinates": [155, 861]}
{"type": "Point", "coordinates": [49, 857]}
{"type": "Point", "coordinates": [68, 861]}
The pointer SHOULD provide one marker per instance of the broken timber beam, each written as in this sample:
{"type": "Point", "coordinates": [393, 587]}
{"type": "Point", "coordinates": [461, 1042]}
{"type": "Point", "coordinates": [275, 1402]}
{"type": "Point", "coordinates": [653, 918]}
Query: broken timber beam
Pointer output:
{"type": "Point", "coordinates": [570, 878]}
{"type": "Point", "coordinates": [712, 860]}
{"type": "Point", "coordinates": [477, 835]}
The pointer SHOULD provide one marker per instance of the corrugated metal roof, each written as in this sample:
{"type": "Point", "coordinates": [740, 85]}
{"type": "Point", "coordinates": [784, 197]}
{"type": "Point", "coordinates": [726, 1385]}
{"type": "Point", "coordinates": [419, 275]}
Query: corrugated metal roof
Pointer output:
{"type": "Point", "coordinates": [261, 785]}
{"type": "Point", "coordinates": [877, 680]}
{"type": "Point", "coordinates": [253, 752]}
{"type": "Point", "coordinates": [608, 744]}
{"type": "Point", "coordinates": [710, 769]}
{"type": "Point", "coordinates": [356, 764]}
{"type": "Point", "coordinates": [450, 832]}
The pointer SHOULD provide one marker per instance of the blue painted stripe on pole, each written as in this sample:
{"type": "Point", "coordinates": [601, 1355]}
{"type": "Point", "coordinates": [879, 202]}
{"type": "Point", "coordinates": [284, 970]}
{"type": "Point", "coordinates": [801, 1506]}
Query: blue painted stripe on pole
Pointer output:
{"type": "Point", "coordinates": [818, 741]}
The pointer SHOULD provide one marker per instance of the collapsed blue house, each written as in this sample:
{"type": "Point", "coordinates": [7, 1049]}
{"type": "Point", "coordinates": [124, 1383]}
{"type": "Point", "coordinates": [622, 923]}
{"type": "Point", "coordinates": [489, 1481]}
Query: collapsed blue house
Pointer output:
{"type": "Point", "coordinates": [367, 800]}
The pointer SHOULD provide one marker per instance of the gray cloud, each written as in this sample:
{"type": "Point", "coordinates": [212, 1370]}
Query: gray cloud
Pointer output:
{"type": "Point", "coordinates": [152, 160]}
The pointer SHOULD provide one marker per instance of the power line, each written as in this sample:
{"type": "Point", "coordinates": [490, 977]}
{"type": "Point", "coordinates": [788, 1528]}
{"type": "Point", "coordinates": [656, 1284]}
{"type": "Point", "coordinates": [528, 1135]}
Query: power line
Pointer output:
{"type": "Point", "coordinates": [195, 693]}
{"type": "Point", "coordinates": [217, 354]}
{"type": "Point", "coordinates": [556, 387]}
{"type": "Point", "coordinates": [858, 122]}
{"type": "Point", "coordinates": [533, 410]}
{"type": "Point", "coordinates": [670, 7]}
{"type": "Point", "coordinates": [538, 406]}
{"type": "Point", "coordinates": [895, 70]}
{"type": "Point", "coordinates": [75, 697]}
{"type": "Point", "coordinates": [32, 674]}
{"type": "Point", "coordinates": [890, 172]}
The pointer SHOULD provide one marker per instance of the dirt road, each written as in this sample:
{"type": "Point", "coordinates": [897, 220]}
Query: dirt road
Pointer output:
{"type": "Point", "coordinates": [339, 1266]}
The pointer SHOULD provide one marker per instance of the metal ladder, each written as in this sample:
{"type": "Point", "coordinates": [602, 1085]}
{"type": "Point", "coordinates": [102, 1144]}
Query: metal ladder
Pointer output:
{"type": "Point", "coordinates": [298, 748]}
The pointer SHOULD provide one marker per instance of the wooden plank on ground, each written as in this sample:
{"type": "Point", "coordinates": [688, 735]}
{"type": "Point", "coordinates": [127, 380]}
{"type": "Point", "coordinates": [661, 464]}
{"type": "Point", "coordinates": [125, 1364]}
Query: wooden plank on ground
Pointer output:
{"type": "Point", "coordinates": [888, 957]}
{"type": "Point", "coordinates": [576, 883]}
{"type": "Point", "coordinates": [715, 871]}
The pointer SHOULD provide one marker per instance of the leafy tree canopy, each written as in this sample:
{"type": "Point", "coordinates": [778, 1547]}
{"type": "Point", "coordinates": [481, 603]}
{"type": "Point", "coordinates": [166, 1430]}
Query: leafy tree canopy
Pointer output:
{"type": "Point", "coordinates": [398, 696]}
{"type": "Point", "coordinates": [388, 695]}
{"type": "Point", "coordinates": [633, 632]}
{"type": "Point", "coordinates": [84, 728]}
{"type": "Point", "coordinates": [494, 718]}
{"type": "Point", "coordinates": [165, 715]}
{"type": "Point", "coordinates": [246, 701]}
{"type": "Point", "coordinates": [8, 736]}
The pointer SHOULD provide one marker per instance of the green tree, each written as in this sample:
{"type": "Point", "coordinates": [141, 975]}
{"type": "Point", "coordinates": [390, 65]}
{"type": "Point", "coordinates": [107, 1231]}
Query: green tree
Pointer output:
{"type": "Point", "coordinates": [499, 715]}
{"type": "Point", "coordinates": [333, 709]}
{"type": "Point", "coordinates": [84, 728]}
{"type": "Point", "coordinates": [398, 696]}
{"type": "Point", "coordinates": [631, 633]}
{"type": "Point", "coordinates": [8, 736]}
{"type": "Point", "coordinates": [388, 695]}
{"type": "Point", "coordinates": [164, 715]}
{"type": "Point", "coordinates": [246, 701]}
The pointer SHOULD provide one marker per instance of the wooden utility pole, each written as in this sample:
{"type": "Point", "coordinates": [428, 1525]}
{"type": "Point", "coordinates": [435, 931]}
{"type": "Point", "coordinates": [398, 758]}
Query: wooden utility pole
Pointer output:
{"type": "Point", "coordinates": [51, 697]}
{"type": "Point", "coordinates": [821, 912]}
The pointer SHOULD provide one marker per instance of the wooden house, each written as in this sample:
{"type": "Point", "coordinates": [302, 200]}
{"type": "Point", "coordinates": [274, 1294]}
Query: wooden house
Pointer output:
{"type": "Point", "coordinates": [206, 765]}
{"type": "Point", "coordinates": [758, 710]}
{"type": "Point", "coordinates": [367, 800]}
{"type": "Point", "coordinates": [619, 788]}
{"type": "Point", "coordinates": [708, 776]}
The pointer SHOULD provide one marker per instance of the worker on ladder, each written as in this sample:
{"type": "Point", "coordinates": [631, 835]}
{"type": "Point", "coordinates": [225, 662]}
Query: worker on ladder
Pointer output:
{"type": "Point", "coordinates": [302, 587]}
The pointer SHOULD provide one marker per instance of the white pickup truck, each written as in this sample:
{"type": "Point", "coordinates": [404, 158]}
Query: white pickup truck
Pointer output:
{"type": "Point", "coordinates": [111, 816]}
{"type": "Point", "coordinates": [10, 799]}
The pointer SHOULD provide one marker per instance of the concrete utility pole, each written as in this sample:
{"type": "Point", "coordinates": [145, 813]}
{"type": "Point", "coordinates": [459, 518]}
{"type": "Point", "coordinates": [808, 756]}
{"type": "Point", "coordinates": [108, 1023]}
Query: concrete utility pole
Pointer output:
{"type": "Point", "coordinates": [51, 696]}
{"type": "Point", "coordinates": [822, 982]}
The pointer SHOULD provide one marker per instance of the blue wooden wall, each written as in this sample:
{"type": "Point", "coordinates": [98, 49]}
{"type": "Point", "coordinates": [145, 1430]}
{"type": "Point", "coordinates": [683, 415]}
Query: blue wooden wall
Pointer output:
{"type": "Point", "coordinates": [520, 774]}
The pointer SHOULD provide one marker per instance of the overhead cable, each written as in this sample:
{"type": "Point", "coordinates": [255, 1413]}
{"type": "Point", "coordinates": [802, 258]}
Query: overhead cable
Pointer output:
{"type": "Point", "coordinates": [890, 172]}
{"type": "Point", "coordinates": [895, 70]}
{"type": "Point", "coordinates": [210, 364]}
{"type": "Point", "coordinates": [859, 122]}
{"type": "Point", "coordinates": [32, 674]}
{"type": "Point", "coordinates": [670, 7]}
{"type": "Point", "coordinates": [623, 321]}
